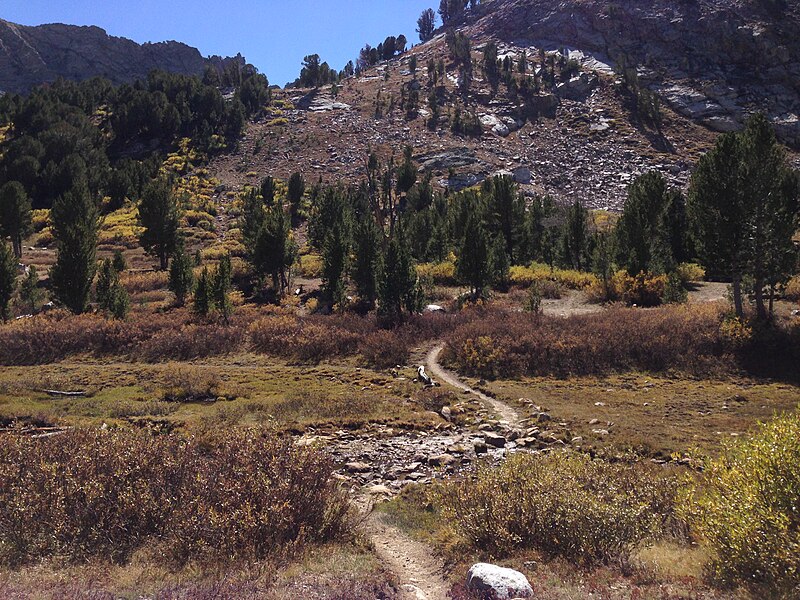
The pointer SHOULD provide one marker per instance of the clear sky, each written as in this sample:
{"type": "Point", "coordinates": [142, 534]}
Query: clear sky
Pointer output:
{"type": "Point", "coordinates": [273, 35]}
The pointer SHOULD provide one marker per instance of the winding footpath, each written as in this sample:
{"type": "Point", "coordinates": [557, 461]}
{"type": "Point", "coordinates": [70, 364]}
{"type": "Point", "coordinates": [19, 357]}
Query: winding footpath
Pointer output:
{"type": "Point", "coordinates": [419, 573]}
{"type": "Point", "coordinates": [507, 414]}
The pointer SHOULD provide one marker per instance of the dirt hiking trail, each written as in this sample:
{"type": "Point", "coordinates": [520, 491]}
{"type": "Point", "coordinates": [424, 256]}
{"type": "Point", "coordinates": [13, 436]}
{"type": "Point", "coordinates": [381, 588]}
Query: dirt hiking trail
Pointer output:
{"type": "Point", "coordinates": [507, 414]}
{"type": "Point", "coordinates": [419, 573]}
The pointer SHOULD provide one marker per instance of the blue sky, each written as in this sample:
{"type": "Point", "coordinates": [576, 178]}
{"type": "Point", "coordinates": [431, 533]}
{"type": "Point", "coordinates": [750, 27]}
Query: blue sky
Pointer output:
{"type": "Point", "coordinates": [273, 35]}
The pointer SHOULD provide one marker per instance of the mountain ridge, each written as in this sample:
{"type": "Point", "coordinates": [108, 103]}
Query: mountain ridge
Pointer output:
{"type": "Point", "coordinates": [34, 55]}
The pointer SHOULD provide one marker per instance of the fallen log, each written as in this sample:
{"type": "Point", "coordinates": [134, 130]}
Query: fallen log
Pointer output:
{"type": "Point", "coordinates": [62, 393]}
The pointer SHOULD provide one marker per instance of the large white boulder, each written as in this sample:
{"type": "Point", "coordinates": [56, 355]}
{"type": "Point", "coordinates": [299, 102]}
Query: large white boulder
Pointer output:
{"type": "Point", "coordinates": [504, 583]}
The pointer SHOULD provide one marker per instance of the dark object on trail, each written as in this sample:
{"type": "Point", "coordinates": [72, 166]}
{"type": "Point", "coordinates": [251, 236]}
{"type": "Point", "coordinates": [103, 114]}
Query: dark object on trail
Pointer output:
{"type": "Point", "coordinates": [423, 376]}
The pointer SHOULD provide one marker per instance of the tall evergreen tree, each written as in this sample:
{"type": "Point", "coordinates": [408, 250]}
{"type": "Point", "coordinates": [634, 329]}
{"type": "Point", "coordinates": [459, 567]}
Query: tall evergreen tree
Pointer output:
{"type": "Point", "coordinates": [499, 264]}
{"type": "Point", "coordinates": [603, 260]}
{"type": "Point", "coordinates": [252, 219]}
{"type": "Point", "coordinates": [770, 189]}
{"type": "Point", "coordinates": [407, 173]}
{"type": "Point", "coordinates": [275, 251]}
{"type": "Point", "coordinates": [76, 223]}
{"type": "Point", "coordinates": [490, 68]}
{"type": "Point", "coordinates": [575, 238]}
{"type": "Point", "coordinates": [297, 187]}
{"type": "Point", "coordinates": [651, 231]}
{"type": "Point", "coordinates": [8, 279]}
{"type": "Point", "coordinates": [426, 24]}
{"type": "Point", "coordinates": [160, 216]}
{"type": "Point", "coordinates": [718, 214]}
{"type": "Point", "coordinates": [366, 266]}
{"type": "Point", "coordinates": [221, 288]}
{"type": "Point", "coordinates": [743, 209]}
{"type": "Point", "coordinates": [15, 214]}
{"type": "Point", "coordinates": [507, 209]}
{"type": "Point", "coordinates": [472, 266]}
{"type": "Point", "coordinates": [268, 191]}
{"type": "Point", "coordinates": [106, 279]}
{"type": "Point", "coordinates": [181, 275]}
{"type": "Point", "coordinates": [537, 236]}
{"type": "Point", "coordinates": [335, 262]}
{"type": "Point", "coordinates": [203, 294]}
{"type": "Point", "coordinates": [398, 290]}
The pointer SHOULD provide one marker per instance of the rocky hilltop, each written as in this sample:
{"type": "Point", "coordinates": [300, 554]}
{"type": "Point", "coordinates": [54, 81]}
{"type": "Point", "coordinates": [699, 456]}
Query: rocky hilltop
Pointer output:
{"type": "Point", "coordinates": [713, 60]}
{"type": "Point", "coordinates": [710, 64]}
{"type": "Point", "coordinates": [33, 55]}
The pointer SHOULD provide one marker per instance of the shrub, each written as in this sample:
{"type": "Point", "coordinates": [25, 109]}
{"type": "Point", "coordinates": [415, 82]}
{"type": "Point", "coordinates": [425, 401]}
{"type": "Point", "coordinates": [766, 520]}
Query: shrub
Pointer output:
{"type": "Point", "coordinates": [674, 290]}
{"type": "Point", "coordinates": [538, 272]}
{"type": "Point", "coordinates": [307, 340]}
{"type": "Point", "coordinates": [188, 383]}
{"type": "Point", "coordinates": [645, 289]}
{"type": "Point", "coordinates": [618, 339]}
{"type": "Point", "coordinates": [384, 349]}
{"type": "Point", "coordinates": [310, 266]}
{"type": "Point", "coordinates": [690, 272]}
{"type": "Point", "coordinates": [91, 493]}
{"type": "Point", "coordinates": [443, 273]}
{"type": "Point", "coordinates": [746, 507]}
{"type": "Point", "coordinates": [564, 505]}
{"type": "Point", "coordinates": [137, 282]}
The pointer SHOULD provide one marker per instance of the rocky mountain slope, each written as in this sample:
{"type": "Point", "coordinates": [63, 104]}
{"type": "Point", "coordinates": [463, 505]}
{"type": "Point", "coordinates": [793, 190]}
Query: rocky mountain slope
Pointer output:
{"type": "Point", "coordinates": [711, 63]}
{"type": "Point", "coordinates": [712, 60]}
{"type": "Point", "coordinates": [34, 55]}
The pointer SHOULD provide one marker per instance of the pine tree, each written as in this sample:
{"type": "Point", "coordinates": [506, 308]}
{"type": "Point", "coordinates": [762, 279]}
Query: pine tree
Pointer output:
{"type": "Point", "coordinates": [221, 288]}
{"type": "Point", "coordinates": [407, 173]}
{"type": "Point", "coordinates": [297, 187]}
{"type": "Point", "coordinates": [160, 216]}
{"type": "Point", "coordinates": [490, 64]}
{"type": "Point", "coordinates": [119, 301]}
{"type": "Point", "coordinates": [268, 191]}
{"type": "Point", "coordinates": [771, 192]}
{"type": "Point", "coordinates": [106, 279]}
{"type": "Point", "coordinates": [506, 209]}
{"type": "Point", "coordinates": [8, 279]}
{"type": "Point", "coordinates": [603, 261]}
{"type": "Point", "coordinates": [575, 247]}
{"type": "Point", "coordinates": [181, 275]}
{"type": "Point", "coordinates": [366, 266]}
{"type": "Point", "coordinates": [203, 294]}
{"type": "Point", "coordinates": [29, 292]}
{"type": "Point", "coordinates": [76, 223]}
{"type": "Point", "coordinates": [15, 214]}
{"type": "Point", "coordinates": [252, 220]}
{"type": "Point", "coordinates": [426, 24]}
{"type": "Point", "coordinates": [119, 261]}
{"type": "Point", "coordinates": [743, 210]}
{"type": "Point", "coordinates": [472, 266]}
{"type": "Point", "coordinates": [111, 296]}
{"type": "Point", "coordinates": [274, 251]}
{"type": "Point", "coordinates": [648, 231]}
{"type": "Point", "coordinates": [499, 264]}
{"type": "Point", "coordinates": [398, 289]}
{"type": "Point", "coordinates": [335, 257]}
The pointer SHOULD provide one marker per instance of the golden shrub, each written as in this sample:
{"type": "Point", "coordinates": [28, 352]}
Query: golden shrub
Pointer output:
{"type": "Point", "coordinates": [745, 506]}
{"type": "Point", "coordinates": [567, 505]}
